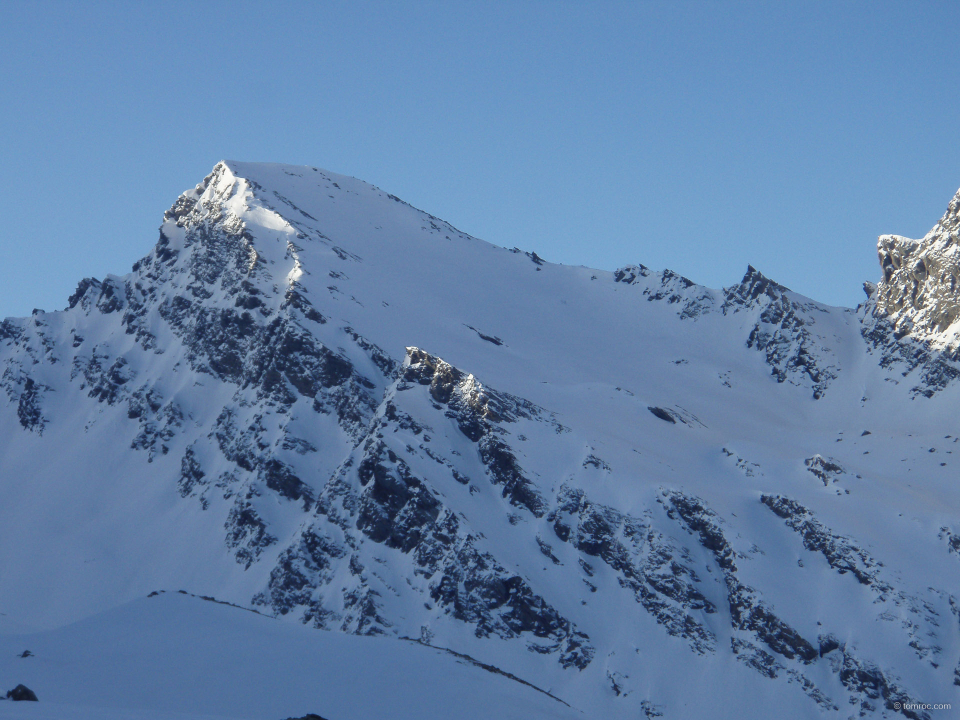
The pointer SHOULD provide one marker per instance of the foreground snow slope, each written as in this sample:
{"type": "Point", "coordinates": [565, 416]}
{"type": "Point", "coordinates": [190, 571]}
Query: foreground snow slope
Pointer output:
{"type": "Point", "coordinates": [175, 656]}
{"type": "Point", "coordinates": [640, 494]}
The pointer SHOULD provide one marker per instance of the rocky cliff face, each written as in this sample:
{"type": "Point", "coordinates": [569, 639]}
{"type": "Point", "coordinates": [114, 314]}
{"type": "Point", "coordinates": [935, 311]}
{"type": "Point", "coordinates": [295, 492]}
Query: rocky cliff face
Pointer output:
{"type": "Point", "coordinates": [911, 314]}
{"type": "Point", "coordinates": [317, 401]}
{"type": "Point", "coordinates": [919, 289]}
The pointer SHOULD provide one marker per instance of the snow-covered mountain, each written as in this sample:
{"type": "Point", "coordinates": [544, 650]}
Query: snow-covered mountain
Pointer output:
{"type": "Point", "coordinates": [640, 496]}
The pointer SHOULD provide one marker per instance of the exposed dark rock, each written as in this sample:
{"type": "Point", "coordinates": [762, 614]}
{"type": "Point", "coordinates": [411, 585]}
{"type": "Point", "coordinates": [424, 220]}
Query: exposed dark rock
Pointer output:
{"type": "Point", "coordinates": [756, 658]}
{"type": "Point", "coordinates": [953, 540]}
{"type": "Point", "coordinates": [504, 470]}
{"type": "Point", "coordinates": [191, 474]}
{"type": "Point", "coordinates": [292, 353]}
{"type": "Point", "coordinates": [667, 286]}
{"type": "Point", "coordinates": [303, 568]}
{"type": "Point", "coordinates": [630, 273]}
{"type": "Point", "coordinates": [389, 522]}
{"type": "Point", "coordinates": [159, 422]}
{"type": "Point", "coordinates": [918, 292]}
{"type": "Point", "coordinates": [908, 313]}
{"type": "Point", "coordinates": [872, 684]}
{"type": "Point", "coordinates": [396, 506]}
{"type": "Point", "coordinates": [826, 469]}
{"type": "Point", "coordinates": [829, 643]}
{"type": "Point", "coordinates": [9, 330]}
{"type": "Point", "coordinates": [489, 338]}
{"type": "Point", "coordinates": [651, 710]}
{"type": "Point", "coordinates": [747, 611]}
{"type": "Point", "coordinates": [839, 551]}
{"type": "Point", "coordinates": [477, 411]}
{"type": "Point", "coordinates": [29, 411]}
{"type": "Point", "coordinates": [377, 497]}
{"type": "Point", "coordinates": [82, 289]}
{"type": "Point", "coordinates": [547, 551]}
{"type": "Point", "coordinates": [534, 258]}
{"type": "Point", "coordinates": [663, 414]}
{"type": "Point", "coordinates": [112, 296]}
{"type": "Point", "coordinates": [752, 287]}
{"type": "Point", "coordinates": [280, 477]}
{"type": "Point", "coordinates": [645, 561]}
{"type": "Point", "coordinates": [21, 693]}
{"type": "Point", "coordinates": [593, 461]}
{"type": "Point", "coordinates": [106, 383]}
{"type": "Point", "coordinates": [783, 332]}
{"type": "Point", "coordinates": [247, 533]}
{"type": "Point", "coordinates": [935, 368]}
{"type": "Point", "coordinates": [238, 446]}
{"type": "Point", "coordinates": [296, 300]}
{"type": "Point", "coordinates": [386, 364]}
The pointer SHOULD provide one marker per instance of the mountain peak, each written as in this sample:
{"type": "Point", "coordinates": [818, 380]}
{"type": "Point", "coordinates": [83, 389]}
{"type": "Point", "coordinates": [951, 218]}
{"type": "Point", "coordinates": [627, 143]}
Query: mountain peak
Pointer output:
{"type": "Point", "coordinates": [752, 287]}
{"type": "Point", "coordinates": [950, 222]}
{"type": "Point", "coordinates": [760, 283]}
{"type": "Point", "coordinates": [918, 293]}
{"type": "Point", "coordinates": [313, 399]}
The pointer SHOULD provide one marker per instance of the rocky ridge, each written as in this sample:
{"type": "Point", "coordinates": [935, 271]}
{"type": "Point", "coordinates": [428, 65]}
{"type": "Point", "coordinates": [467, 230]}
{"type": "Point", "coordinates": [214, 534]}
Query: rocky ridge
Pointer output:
{"type": "Point", "coordinates": [910, 317]}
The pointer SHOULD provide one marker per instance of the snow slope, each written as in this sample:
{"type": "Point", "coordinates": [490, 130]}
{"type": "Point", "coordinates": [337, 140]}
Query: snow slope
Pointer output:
{"type": "Point", "coordinates": [174, 656]}
{"type": "Point", "coordinates": [642, 495]}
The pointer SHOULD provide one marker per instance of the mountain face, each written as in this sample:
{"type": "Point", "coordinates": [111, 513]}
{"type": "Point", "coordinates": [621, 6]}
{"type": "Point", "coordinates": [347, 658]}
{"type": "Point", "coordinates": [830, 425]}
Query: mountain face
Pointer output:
{"type": "Point", "coordinates": [645, 497]}
{"type": "Point", "coordinates": [913, 311]}
{"type": "Point", "coordinates": [918, 291]}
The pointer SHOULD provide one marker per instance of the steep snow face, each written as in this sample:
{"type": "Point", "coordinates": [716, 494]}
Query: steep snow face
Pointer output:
{"type": "Point", "coordinates": [315, 400]}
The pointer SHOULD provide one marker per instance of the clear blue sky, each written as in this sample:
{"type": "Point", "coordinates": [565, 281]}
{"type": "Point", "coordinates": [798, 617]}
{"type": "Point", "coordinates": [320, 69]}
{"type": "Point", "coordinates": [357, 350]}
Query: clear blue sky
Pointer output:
{"type": "Point", "coordinates": [699, 136]}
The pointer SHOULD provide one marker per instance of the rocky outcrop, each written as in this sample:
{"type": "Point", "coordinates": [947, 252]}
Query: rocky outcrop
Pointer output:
{"type": "Point", "coordinates": [479, 413]}
{"type": "Point", "coordinates": [21, 693]}
{"type": "Point", "coordinates": [28, 407]}
{"type": "Point", "coordinates": [827, 470]}
{"type": "Point", "coordinates": [780, 324]}
{"type": "Point", "coordinates": [378, 499]}
{"type": "Point", "coordinates": [914, 612]}
{"type": "Point", "coordinates": [839, 551]}
{"type": "Point", "coordinates": [748, 612]}
{"type": "Point", "coordinates": [869, 684]}
{"type": "Point", "coordinates": [919, 292]}
{"type": "Point", "coordinates": [691, 300]}
{"type": "Point", "coordinates": [646, 562]}
{"type": "Point", "coordinates": [921, 360]}
{"type": "Point", "coordinates": [785, 331]}
{"type": "Point", "coordinates": [910, 316]}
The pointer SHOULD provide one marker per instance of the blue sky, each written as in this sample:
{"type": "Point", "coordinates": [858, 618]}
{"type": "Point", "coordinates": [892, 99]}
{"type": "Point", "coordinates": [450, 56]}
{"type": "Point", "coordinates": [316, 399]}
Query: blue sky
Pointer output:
{"type": "Point", "coordinates": [699, 136]}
